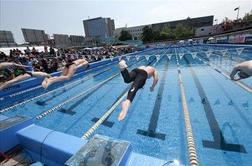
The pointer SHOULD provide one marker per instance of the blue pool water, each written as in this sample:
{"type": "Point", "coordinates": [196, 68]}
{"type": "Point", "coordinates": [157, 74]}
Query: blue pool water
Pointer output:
{"type": "Point", "coordinates": [220, 110]}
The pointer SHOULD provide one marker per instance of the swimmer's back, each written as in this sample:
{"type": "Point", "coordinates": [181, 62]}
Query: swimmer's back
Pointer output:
{"type": "Point", "coordinates": [149, 69]}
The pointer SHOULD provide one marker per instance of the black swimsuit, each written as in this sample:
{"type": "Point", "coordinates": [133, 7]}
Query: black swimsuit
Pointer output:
{"type": "Point", "coordinates": [138, 77]}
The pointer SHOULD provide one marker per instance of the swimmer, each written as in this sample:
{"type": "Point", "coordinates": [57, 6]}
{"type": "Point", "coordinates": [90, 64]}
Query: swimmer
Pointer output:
{"type": "Point", "coordinates": [244, 70]}
{"type": "Point", "coordinates": [21, 72]}
{"type": "Point", "coordinates": [67, 72]}
{"type": "Point", "coordinates": [138, 76]}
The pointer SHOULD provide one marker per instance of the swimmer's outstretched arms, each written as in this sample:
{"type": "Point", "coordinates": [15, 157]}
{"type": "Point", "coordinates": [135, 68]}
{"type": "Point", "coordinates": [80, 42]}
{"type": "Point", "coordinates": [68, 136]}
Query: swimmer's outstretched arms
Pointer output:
{"type": "Point", "coordinates": [9, 64]}
{"type": "Point", "coordinates": [138, 77]}
{"type": "Point", "coordinates": [243, 70]}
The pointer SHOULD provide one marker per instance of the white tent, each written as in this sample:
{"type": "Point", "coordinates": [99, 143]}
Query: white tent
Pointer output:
{"type": "Point", "coordinates": [210, 38]}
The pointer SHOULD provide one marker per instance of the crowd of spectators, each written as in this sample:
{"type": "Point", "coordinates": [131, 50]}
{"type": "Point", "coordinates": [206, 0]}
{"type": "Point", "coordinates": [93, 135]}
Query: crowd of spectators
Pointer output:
{"type": "Point", "coordinates": [233, 25]}
{"type": "Point", "coordinates": [51, 60]}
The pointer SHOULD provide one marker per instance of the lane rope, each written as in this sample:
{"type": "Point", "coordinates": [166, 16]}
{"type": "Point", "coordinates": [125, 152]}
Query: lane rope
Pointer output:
{"type": "Point", "coordinates": [192, 153]}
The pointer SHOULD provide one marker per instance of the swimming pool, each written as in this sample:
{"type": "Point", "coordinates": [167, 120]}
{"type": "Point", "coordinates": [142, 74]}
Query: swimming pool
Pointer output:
{"type": "Point", "coordinates": [220, 109]}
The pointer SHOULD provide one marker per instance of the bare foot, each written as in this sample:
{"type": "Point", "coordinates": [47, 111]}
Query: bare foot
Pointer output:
{"type": "Point", "coordinates": [125, 107]}
{"type": "Point", "coordinates": [122, 115]}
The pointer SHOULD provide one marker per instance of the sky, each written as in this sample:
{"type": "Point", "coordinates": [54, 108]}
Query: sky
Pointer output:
{"type": "Point", "coordinates": [65, 17]}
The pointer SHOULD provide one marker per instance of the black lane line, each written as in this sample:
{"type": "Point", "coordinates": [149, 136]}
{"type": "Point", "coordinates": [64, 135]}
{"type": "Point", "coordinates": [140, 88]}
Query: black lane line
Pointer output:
{"type": "Point", "coordinates": [44, 102]}
{"type": "Point", "coordinates": [66, 111]}
{"type": "Point", "coordinates": [151, 132]}
{"type": "Point", "coordinates": [219, 140]}
{"type": "Point", "coordinates": [106, 122]}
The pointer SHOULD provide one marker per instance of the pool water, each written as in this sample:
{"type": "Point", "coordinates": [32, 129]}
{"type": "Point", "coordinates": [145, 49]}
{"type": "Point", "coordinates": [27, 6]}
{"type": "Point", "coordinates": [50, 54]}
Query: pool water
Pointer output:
{"type": "Point", "coordinates": [220, 110]}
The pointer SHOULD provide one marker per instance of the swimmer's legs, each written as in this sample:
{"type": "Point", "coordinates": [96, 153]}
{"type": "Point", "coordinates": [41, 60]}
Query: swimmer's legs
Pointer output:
{"type": "Point", "coordinates": [15, 80]}
{"type": "Point", "coordinates": [125, 107]}
{"type": "Point", "coordinates": [126, 104]}
{"type": "Point", "coordinates": [48, 81]}
{"type": "Point", "coordinates": [41, 74]}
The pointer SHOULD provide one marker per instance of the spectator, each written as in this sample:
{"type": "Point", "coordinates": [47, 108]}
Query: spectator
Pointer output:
{"type": "Point", "coordinates": [52, 51]}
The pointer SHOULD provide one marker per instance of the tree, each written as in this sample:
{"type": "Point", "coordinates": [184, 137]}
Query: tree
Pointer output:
{"type": "Point", "coordinates": [164, 35]}
{"type": "Point", "coordinates": [147, 34]}
{"type": "Point", "coordinates": [182, 32]}
{"type": "Point", "coordinates": [156, 35]}
{"type": "Point", "coordinates": [125, 35]}
{"type": "Point", "coordinates": [248, 17]}
{"type": "Point", "coordinates": [167, 34]}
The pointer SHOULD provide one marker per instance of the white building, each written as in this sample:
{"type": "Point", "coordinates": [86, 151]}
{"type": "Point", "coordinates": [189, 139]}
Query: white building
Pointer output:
{"type": "Point", "coordinates": [204, 31]}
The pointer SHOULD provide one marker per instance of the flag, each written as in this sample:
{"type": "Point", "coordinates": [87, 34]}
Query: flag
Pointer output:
{"type": "Point", "coordinates": [236, 8]}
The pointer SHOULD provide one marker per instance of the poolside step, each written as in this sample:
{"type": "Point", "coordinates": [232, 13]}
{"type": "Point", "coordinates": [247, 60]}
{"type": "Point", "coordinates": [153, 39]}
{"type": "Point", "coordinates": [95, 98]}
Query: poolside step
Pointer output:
{"type": "Point", "coordinates": [8, 129]}
{"type": "Point", "coordinates": [102, 150]}
{"type": "Point", "coordinates": [48, 146]}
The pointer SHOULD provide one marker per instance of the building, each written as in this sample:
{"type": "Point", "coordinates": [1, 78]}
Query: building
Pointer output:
{"type": "Point", "coordinates": [61, 41]}
{"type": "Point", "coordinates": [77, 40]}
{"type": "Point", "coordinates": [99, 28]}
{"type": "Point", "coordinates": [6, 39]}
{"type": "Point", "coordinates": [189, 22]}
{"type": "Point", "coordinates": [136, 31]}
{"type": "Point", "coordinates": [204, 31]}
{"type": "Point", "coordinates": [35, 36]}
{"type": "Point", "coordinates": [65, 41]}
{"type": "Point", "coordinates": [199, 22]}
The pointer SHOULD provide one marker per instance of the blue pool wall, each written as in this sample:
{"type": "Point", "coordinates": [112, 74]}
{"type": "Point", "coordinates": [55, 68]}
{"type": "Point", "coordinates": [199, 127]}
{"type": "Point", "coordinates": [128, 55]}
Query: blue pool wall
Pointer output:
{"type": "Point", "coordinates": [8, 137]}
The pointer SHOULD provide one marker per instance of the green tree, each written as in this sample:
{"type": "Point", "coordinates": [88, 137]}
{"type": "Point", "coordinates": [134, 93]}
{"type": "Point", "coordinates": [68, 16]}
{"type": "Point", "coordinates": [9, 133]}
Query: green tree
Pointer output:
{"type": "Point", "coordinates": [248, 17]}
{"type": "Point", "coordinates": [156, 35]}
{"type": "Point", "coordinates": [167, 34]}
{"type": "Point", "coordinates": [182, 32]}
{"type": "Point", "coordinates": [125, 35]}
{"type": "Point", "coordinates": [164, 35]}
{"type": "Point", "coordinates": [147, 34]}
